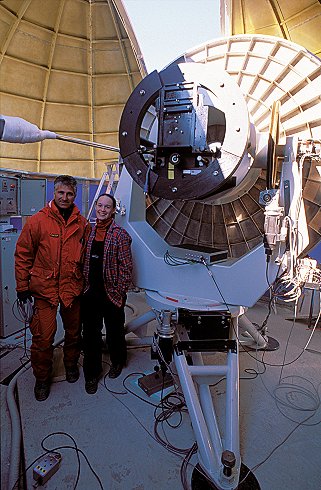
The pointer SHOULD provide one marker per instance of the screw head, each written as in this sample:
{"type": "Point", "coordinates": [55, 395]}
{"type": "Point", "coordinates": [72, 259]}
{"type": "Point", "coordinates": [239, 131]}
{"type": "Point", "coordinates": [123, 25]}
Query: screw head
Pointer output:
{"type": "Point", "coordinates": [124, 133]}
{"type": "Point", "coordinates": [174, 189]}
{"type": "Point", "coordinates": [215, 172]}
{"type": "Point", "coordinates": [142, 92]}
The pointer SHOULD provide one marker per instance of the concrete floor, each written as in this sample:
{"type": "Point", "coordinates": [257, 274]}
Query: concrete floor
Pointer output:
{"type": "Point", "coordinates": [114, 429]}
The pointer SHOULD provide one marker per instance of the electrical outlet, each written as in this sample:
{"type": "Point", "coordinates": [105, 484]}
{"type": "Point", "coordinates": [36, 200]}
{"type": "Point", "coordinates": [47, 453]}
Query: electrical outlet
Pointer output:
{"type": "Point", "coordinates": [46, 467]}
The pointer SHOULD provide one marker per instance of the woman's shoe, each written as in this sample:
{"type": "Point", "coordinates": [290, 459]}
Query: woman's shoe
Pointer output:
{"type": "Point", "coordinates": [91, 386]}
{"type": "Point", "coordinates": [115, 370]}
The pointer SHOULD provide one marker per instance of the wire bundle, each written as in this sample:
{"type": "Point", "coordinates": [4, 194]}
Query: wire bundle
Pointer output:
{"type": "Point", "coordinates": [25, 311]}
{"type": "Point", "coordinates": [289, 288]}
{"type": "Point", "coordinates": [174, 261]}
{"type": "Point", "coordinates": [169, 406]}
{"type": "Point", "coordinates": [307, 273]}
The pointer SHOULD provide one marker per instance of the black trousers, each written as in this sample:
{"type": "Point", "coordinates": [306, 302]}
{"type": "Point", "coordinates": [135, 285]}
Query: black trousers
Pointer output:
{"type": "Point", "coordinates": [96, 312]}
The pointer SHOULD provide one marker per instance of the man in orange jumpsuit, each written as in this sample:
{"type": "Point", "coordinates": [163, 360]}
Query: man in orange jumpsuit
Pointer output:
{"type": "Point", "coordinates": [48, 268]}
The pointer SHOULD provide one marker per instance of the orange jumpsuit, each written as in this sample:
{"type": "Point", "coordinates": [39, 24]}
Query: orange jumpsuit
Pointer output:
{"type": "Point", "coordinates": [48, 261]}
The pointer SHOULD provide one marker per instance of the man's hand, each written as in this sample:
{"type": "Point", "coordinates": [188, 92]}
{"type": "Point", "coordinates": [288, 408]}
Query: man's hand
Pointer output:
{"type": "Point", "coordinates": [24, 296]}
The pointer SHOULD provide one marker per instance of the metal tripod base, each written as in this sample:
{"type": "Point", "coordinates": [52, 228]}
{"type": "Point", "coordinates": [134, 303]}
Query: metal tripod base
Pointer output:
{"type": "Point", "coordinates": [200, 482]}
{"type": "Point", "coordinates": [271, 344]}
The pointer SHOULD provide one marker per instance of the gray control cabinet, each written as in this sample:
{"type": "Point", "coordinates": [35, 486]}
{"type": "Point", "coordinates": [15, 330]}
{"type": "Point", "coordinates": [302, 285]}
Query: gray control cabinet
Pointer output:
{"type": "Point", "coordinates": [8, 323]}
{"type": "Point", "coordinates": [33, 196]}
{"type": "Point", "coordinates": [8, 196]}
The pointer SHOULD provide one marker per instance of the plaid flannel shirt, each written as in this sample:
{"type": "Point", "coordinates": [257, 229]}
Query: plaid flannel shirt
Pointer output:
{"type": "Point", "coordinates": [117, 263]}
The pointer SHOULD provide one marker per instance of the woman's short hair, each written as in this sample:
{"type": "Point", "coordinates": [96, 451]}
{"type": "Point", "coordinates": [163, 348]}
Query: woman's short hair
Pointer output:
{"type": "Point", "coordinates": [107, 195]}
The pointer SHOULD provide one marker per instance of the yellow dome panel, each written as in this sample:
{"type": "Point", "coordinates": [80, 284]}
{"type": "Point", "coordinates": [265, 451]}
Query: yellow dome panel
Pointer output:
{"type": "Point", "coordinates": [295, 20]}
{"type": "Point", "coordinates": [68, 66]}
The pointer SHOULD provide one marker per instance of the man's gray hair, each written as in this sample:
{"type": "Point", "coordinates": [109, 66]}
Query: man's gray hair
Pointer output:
{"type": "Point", "coordinates": [66, 180]}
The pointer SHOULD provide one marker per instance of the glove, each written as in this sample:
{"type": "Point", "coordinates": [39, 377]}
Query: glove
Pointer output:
{"type": "Point", "coordinates": [24, 296]}
{"type": "Point", "coordinates": [17, 130]}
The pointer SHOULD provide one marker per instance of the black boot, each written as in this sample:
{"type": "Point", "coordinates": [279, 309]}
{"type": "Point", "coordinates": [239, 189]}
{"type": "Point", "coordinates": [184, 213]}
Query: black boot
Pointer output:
{"type": "Point", "coordinates": [91, 386]}
{"type": "Point", "coordinates": [72, 374]}
{"type": "Point", "coordinates": [42, 390]}
{"type": "Point", "coordinates": [115, 370]}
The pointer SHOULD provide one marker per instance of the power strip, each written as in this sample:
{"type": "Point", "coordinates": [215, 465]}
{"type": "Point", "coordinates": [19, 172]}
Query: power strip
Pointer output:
{"type": "Point", "coordinates": [46, 467]}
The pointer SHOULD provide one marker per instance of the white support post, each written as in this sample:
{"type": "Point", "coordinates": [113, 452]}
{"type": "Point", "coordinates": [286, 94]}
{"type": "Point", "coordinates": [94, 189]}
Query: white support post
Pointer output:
{"type": "Point", "coordinates": [206, 398]}
{"type": "Point", "coordinates": [204, 443]}
{"type": "Point", "coordinates": [255, 339]}
{"type": "Point", "coordinates": [203, 417]}
{"type": "Point", "coordinates": [232, 438]}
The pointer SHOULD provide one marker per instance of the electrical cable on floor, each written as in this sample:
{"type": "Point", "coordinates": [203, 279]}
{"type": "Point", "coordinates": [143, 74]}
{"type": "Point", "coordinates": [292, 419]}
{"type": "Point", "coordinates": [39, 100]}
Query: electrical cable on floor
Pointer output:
{"type": "Point", "coordinates": [289, 392]}
{"type": "Point", "coordinates": [184, 466]}
{"type": "Point", "coordinates": [78, 450]}
{"type": "Point", "coordinates": [294, 296]}
{"type": "Point", "coordinates": [293, 360]}
{"type": "Point", "coordinates": [54, 450]}
{"type": "Point", "coordinates": [111, 391]}
{"type": "Point", "coordinates": [16, 423]}
{"type": "Point", "coordinates": [289, 296]}
{"type": "Point", "coordinates": [254, 468]}
{"type": "Point", "coordinates": [291, 396]}
{"type": "Point", "coordinates": [289, 336]}
{"type": "Point", "coordinates": [132, 413]}
{"type": "Point", "coordinates": [312, 395]}
{"type": "Point", "coordinates": [168, 409]}
{"type": "Point", "coordinates": [253, 371]}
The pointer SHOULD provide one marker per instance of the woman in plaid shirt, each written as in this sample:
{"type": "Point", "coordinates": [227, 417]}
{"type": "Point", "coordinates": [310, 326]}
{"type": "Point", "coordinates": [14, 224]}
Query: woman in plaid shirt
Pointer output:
{"type": "Point", "coordinates": [107, 271]}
